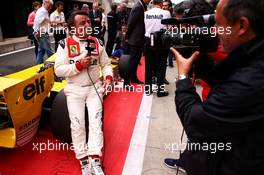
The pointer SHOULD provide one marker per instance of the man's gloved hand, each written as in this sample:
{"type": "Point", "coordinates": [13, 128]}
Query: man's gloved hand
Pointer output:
{"type": "Point", "coordinates": [83, 61]}
{"type": "Point", "coordinates": [108, 84]}
{"type": "Point", "coordinates": [86, 62]}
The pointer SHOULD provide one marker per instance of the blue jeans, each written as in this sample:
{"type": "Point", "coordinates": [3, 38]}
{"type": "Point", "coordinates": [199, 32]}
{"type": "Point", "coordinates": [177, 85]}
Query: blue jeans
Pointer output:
{"type": "Point", "coordinates": [44, 46]}
{"type": "Point", "coordinates": [118, 53]}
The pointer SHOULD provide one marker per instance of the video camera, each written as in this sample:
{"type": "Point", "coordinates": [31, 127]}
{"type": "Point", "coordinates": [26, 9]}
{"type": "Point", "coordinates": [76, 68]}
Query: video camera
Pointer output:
{"type": "Point", "coordinates": [187, 34]}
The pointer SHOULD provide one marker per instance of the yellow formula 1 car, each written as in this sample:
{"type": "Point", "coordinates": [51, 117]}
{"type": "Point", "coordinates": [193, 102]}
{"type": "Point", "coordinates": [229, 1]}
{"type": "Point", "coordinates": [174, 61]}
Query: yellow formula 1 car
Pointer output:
{"type": "Point", "coordinates": [24, 96]}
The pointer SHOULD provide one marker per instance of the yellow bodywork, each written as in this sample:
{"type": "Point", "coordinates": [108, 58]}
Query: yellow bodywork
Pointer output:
{"type": "Point", "coordinates": [24, 93]}
{"type": "Point", "coordinates": [27, 73]}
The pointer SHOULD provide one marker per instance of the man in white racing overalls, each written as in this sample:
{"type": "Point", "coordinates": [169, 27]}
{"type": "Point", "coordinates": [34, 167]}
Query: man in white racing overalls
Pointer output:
{"type": "Point", "coordinates": [81, 68]}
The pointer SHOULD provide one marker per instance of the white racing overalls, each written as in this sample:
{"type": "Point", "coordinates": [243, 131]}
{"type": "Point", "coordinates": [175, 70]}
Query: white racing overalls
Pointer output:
{"type": "Point", "coordinates": [80, 91]}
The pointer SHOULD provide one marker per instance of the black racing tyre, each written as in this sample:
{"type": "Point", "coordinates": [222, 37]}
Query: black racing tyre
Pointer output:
{"type": "Point", "coordinates": [123, 66]}
{"type": "Point", "coordinates": [59, 119]}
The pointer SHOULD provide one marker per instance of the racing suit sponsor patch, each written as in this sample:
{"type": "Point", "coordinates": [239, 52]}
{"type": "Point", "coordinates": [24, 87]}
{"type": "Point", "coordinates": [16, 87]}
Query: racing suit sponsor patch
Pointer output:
{"type": "Point", "coordinates": [73, 50]}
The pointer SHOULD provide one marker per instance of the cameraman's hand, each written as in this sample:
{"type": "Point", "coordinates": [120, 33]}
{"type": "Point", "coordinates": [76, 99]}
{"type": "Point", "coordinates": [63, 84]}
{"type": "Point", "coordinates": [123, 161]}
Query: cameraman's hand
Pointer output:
{"type": "Point", "coordinates": [86, 62]}
{"type": "Point", "coordinates": [184, 64]}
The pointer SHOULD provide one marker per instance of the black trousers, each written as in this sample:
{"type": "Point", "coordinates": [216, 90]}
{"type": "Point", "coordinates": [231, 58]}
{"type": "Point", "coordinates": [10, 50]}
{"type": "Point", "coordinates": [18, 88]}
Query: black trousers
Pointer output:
{"type": "Point", "coordinates": [33, 40]}
{"type": "Point", "coordinates": [110, 42]}
{"type": "Point", "coordinates": [135, 56]}
{"type": "Point", "coordinates": [36, 46]}
{"type": "Point", "coordinates": [155, 64]}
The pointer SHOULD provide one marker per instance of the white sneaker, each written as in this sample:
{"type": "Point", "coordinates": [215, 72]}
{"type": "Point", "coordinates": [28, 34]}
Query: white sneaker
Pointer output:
{"type": "Point", "coordinates": [86, 167]}
{"type": "Point", "coordinates": [96, 166]}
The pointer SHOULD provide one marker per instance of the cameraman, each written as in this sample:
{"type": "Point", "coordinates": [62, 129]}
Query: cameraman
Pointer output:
{"type": "Point", "coordinates": [233, 112]}
{"type": "Point", "coordinates": [155, 58]}
{"type": "Point", "coordinates": [187, 9]}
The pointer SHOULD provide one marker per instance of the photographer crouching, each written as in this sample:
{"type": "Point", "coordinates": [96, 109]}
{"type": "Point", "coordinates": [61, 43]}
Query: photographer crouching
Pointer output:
{"type": "Point", "coordinates": [234, 110]}
{"type": "Point", "coordinates": [155, 57]}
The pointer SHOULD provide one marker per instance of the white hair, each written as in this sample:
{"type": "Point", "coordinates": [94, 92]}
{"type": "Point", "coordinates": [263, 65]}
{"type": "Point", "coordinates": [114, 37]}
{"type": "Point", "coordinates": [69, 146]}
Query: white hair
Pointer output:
{"type": "Point", "coordinates": [85, 5]}
{"type": "Point", "coordinates": [51, 1]}
{"type": "Point", "coordinates": [95, 4]}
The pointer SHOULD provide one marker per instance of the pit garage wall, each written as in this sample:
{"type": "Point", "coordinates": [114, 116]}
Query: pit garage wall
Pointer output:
{"type": "Point", "coordinates": [14, 16]}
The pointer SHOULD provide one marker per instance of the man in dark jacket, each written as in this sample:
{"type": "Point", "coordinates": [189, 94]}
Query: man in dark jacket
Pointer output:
{"type": "Point", "coordinates": [112, 29]}
{"type": "Point", "coordinates": [231, 121]}
{"type": "Point", "coordinates": [122, 16]}
{"type": "Point", "coordinates": [96, 20]}
{"type": "Point", "coordinates": [136, 38]}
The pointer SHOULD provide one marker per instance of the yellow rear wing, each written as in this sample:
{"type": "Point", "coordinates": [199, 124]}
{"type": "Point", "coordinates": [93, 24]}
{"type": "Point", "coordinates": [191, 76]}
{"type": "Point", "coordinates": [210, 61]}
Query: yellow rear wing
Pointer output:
{"type": "Point", "coordinates": [21, 102]}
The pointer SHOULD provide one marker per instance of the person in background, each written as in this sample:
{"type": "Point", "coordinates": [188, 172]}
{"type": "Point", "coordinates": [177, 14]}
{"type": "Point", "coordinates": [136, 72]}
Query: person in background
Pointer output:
{"type": "Point", "coordinates": [155, 56]}
{"type": "Point", "coordinates": [104, 24]}
{"type": "Point", "coordinates": [118, 9]}
{"type": "Point", "coordinates": [103, 30]}
{"type": "Point", "coordinates": [85, 8]}
{"type": "Point", "coordinates": [167, 5]}
{"type": "Point", "coordinates": [30, 22]}
{"type": "Point", "coordinates": [136, 39]}
{"type": "Point", "coordinates": [121, 46]}
{"type": "Point", "coordinates": [122, 16]}
{"type": "Point", "coordinates": [75, 7]}
{"type": "Point", "coordinates": [57, 20]}
{"type": "Point", "coordinates": [41, 30]}
{"type": "Point", "coordinates": [112, 29]}
{"type": "Point", "coordinates": [96, 19]}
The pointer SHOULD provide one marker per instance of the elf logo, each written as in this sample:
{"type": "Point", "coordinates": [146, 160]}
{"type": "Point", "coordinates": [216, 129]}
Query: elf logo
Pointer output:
{"type": "Point", "coordinates": [34, 88]}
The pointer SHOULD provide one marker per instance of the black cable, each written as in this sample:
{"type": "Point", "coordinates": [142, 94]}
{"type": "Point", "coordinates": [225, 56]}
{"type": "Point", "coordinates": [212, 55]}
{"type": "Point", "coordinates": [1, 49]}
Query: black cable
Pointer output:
{"type": "Point", "coordinates": [95, 87]}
